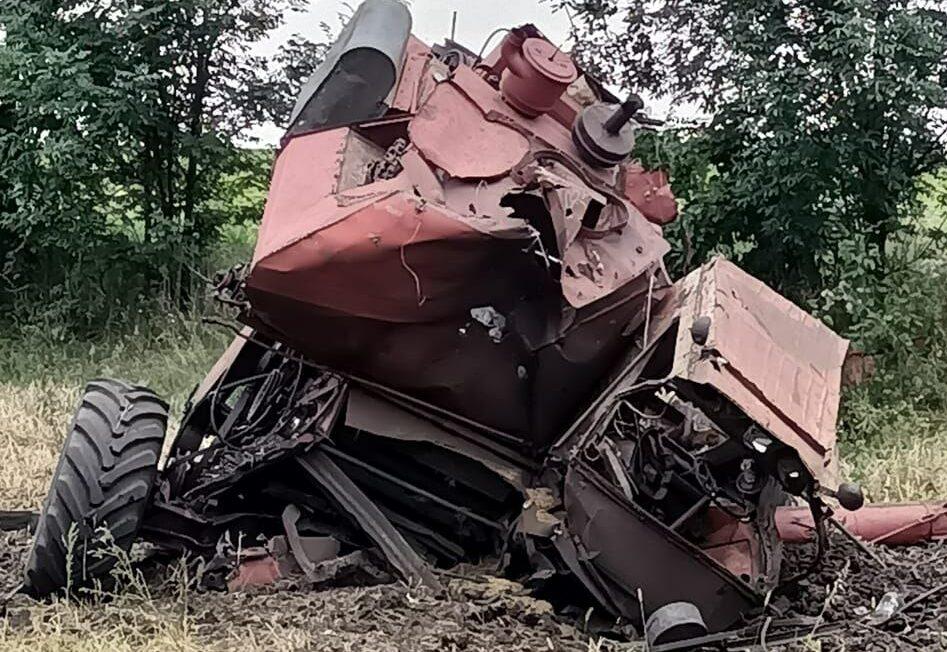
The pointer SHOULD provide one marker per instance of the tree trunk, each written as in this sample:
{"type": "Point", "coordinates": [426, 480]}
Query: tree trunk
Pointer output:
{"type": "Point", "coordinates": [195, 130]}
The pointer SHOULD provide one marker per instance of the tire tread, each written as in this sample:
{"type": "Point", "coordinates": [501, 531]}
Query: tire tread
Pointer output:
{"type": "Point", "coordinates": [105, 478]}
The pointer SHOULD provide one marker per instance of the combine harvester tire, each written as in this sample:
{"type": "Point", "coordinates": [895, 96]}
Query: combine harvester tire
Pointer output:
{"type": "Point", "coordinates": [100, 489]}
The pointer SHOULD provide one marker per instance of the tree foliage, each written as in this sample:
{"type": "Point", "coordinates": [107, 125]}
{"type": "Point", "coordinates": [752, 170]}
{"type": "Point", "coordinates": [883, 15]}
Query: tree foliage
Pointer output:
{"type": "Point", "coordinates": [119, 124]}
{"type": "Point", "coordinates": [823, 116]}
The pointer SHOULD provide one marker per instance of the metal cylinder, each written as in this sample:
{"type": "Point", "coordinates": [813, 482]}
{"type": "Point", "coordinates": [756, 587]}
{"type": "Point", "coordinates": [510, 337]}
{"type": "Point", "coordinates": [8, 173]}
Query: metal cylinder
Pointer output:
{"type": "Point", "coordinates": [597, 145]}
{"type": "Point", "coordinates": [674, 622]}
{"type": "Point", "coordinates": [893, 524]}
{"type": "Point", "coordinates": [536, 76]}
{"type": "Point", "coordinates": [623, 114]}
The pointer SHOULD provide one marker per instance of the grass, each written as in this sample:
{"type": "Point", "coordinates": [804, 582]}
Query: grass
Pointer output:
{"type": "Point", "coordinates": [898, 452]}
{"type": "Point", "coordinates": [41, 380]}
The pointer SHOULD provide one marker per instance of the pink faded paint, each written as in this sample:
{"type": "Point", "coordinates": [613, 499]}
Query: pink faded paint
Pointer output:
{"type": "Point", "coordinates": [889, 524]}
{"type": "Point", "coordinates": [416, 58]}
{"type": "Point", "coordinates": [779, 364]}
{"type": "Point", "coordinates": [451, 133]}
{"type": "Point", "coordinates": [379, 274]}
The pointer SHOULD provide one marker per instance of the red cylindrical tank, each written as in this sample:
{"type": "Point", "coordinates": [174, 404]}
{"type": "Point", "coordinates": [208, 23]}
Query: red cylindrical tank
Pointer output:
{"type": "Point", "coordinates": [536, 74]}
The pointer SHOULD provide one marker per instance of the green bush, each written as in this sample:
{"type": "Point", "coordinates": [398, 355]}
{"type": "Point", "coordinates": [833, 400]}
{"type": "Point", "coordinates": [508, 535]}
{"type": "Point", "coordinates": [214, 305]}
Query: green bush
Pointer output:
{"type": "Point", "coordinates": [119, 155]}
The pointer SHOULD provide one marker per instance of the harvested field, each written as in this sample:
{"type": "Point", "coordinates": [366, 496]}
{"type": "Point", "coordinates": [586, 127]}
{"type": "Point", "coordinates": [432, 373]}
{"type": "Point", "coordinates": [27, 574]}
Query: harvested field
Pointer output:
{"type": "Point", "coordinates": [477, 614]}
{"type": "Point", "coordinates": [847, 591]}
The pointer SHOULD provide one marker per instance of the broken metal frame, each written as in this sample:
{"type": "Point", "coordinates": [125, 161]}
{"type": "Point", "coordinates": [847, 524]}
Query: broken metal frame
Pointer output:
{"type": "Point", "coordinates": [629, 383]}
{"type": "Point", "coordinates": [357, 505]}
{"type": "Point", "coordinates": [586, 434]}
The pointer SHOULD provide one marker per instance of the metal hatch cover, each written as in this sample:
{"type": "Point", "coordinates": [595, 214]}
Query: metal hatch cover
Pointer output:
{"type": "Point", "coordinates": [779, 364]}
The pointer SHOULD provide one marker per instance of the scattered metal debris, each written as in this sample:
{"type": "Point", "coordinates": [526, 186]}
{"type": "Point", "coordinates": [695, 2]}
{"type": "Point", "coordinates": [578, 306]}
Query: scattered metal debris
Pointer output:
{"type": "Point", "coordinates": [889, 604]}
{"type": "Point", "coordinates": [494, 321]}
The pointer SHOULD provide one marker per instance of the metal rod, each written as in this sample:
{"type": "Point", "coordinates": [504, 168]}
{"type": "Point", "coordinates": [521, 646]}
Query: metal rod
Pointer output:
{"type": "Point", "coordinates": [361, 508]}
{"type": "Point", "coordinates": [683, 518]}
{"type": "Point", "coordinates": [623, 114]}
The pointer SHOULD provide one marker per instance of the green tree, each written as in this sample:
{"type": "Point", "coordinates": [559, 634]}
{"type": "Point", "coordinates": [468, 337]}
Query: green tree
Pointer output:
{"type": "Point", "coordinates": [119, 124]}
{"type": "Point", "coordinates": [823, 117]}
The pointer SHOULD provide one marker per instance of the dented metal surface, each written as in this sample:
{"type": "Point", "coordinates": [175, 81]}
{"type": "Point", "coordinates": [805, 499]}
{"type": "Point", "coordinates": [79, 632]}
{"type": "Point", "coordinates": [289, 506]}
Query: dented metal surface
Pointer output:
{"type": "Point", "coordinates": [480, 186]}
{"type": "Point", "coordinates": [781, 366]}
{"type": "Point", "coordinates": [462, 344]}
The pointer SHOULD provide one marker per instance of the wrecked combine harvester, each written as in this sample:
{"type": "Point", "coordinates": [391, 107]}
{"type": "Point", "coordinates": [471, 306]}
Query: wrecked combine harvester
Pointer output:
{"type": "Point", "coordinates": [461, 344]}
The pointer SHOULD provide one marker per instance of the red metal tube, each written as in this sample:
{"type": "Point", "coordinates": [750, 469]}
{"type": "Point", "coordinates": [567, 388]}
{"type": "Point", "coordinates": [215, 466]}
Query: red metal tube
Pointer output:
{"type": "Point", "coordinates": [883, 523]}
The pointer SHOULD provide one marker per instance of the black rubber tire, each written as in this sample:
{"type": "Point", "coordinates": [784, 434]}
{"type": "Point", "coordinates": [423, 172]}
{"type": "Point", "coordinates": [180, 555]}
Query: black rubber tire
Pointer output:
{"type": "Point", "coordinates": [100, 489]}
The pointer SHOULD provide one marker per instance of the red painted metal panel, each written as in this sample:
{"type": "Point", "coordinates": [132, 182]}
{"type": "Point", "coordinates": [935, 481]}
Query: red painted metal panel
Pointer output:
{"type": "Point", "coordinates": [451, 133]}
{"type": "Point", "coordinates": [301, 190]}
{"type": "Point", "coordinates": [779, 364]}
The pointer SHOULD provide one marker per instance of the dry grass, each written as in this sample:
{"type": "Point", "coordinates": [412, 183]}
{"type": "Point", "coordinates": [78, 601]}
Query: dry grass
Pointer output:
{"type": "Point", "coordinates": [32, 427]}
{"type": "Point", "coordinates": [40, 383]}
{"type": "Point", "coordinates": [898, 452]}
{"type": "Point", "coordinates": [907, 466]}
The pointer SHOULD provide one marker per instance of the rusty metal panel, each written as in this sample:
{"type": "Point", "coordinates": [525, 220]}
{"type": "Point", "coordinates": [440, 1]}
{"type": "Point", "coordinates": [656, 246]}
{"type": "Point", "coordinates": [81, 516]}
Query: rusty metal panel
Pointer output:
{"type": "Point", "coordinates": [630, 549]}
{"type": "Point", "coordinates": [600, 259]}
{"type": "Point", "coordinates": [416, 58]}
{"type": "Point", "coordinates": [780, 365]}
{"type": "Point", "coordinates": [544, 130]}
{"type": "Point", "coordinates": [650, 192]}
{"type": "Point", "coordinates": [451, 133]}
{"type": "Point", "coordinates": [385, 261]}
